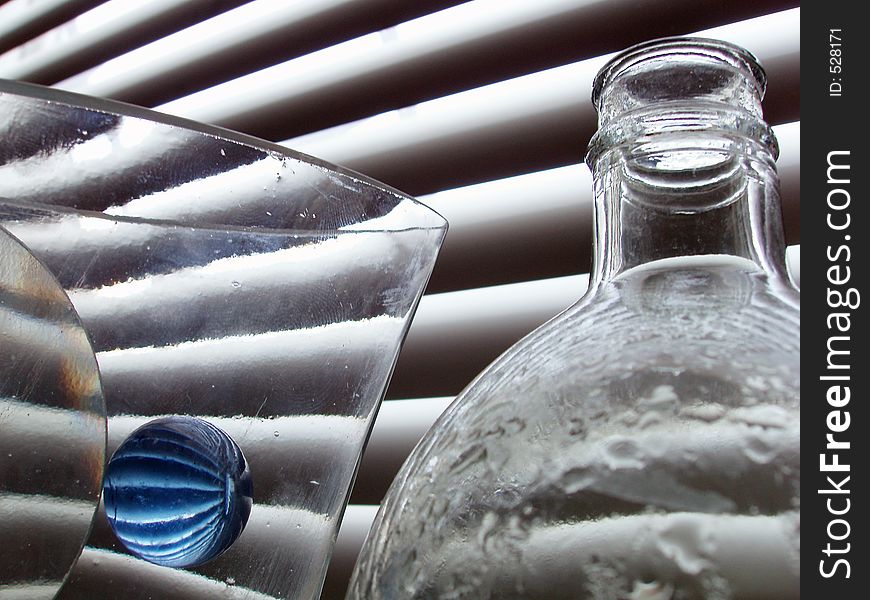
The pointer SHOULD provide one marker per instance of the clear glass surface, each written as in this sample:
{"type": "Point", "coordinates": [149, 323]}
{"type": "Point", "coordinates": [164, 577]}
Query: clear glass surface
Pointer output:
{"type": "Point", "coordinates": [226, 278]}
{"type": "Point", "coordinates": [52, 428]}
{"type": "Point", "coordinates": [644, 444]}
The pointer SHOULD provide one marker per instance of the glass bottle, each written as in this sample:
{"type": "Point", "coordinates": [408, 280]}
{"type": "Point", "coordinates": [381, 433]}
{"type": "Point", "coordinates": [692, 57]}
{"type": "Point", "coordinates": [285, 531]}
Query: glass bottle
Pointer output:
{"type": "Point", "coordinates": [644, 444]}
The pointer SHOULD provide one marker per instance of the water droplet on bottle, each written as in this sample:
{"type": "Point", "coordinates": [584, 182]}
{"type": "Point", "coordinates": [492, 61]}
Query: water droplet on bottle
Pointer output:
{"type": "Point", "coordinates": [237, 284]}
{"type": "Point", "coordinates": [651, 591]}
{"type": "Point", "coordinates": [231, 580]}
{"type": "Point", "coordinates": [577, 479]}
{"type": "Point", "coordinates": [686, 542]}
{"type": "Point", "coordinates": [623, 453]}
{"type": "Point", "coordinates": [276, 433]}
{"type": "Point", "coordinates": [759, 449]}
{"type": "Point", "coordinates": [178, 492]}
{"type": "Point", "coordinates": [487, 528]}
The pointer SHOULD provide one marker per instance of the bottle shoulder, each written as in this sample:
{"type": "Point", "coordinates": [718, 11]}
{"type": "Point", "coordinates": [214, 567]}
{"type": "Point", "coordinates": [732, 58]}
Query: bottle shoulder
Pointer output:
{"type": "Point", "coordinates": [675, 314]}
{"type": "Point", "coordinates": [713, 339]}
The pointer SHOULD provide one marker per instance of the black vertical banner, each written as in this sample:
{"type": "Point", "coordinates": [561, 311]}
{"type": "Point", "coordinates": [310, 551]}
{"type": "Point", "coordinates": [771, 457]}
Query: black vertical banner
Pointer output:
{"type": "Point", "coordinates": [834, 259]}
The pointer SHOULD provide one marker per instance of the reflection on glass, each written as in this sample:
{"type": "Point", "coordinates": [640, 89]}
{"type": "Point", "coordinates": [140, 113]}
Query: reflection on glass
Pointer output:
{"type": "Point", "coordinates": [229, 279]}
{"type": "Point", "coordinates": [52, 428]}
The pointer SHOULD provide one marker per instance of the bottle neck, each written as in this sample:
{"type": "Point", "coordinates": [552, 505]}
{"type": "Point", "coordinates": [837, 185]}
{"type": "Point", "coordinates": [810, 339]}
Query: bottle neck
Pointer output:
{"type": "Point", "coordinates": [678, 194]}
{"type": "Point", "coordinates": [683, 162]}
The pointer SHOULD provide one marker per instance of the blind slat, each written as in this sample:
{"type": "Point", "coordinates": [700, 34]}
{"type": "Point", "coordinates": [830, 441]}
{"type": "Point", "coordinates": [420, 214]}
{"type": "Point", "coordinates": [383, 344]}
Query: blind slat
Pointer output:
{"type": "Point", "coordinates": [529, 123]}
{"type": "Point", "coordinates": [21, 20]}
{"type": "Point", "coordinates": [253, 36]}
{"type": "Point", "coordinates": [398, 428]}
{"type": "Point", "coordinates": [355, 526]}
{"type": "Point", "coordinates": [100, 33]}
{"type": "Point", "coordinates": [464, 47]}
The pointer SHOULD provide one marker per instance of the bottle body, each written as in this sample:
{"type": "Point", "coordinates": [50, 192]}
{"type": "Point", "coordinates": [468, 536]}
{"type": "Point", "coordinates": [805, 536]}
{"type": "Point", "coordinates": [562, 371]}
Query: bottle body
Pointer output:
{"type": "Point", "coordinates": [644, 444]}
{"type": "Point", "coordinates": [631, 446]}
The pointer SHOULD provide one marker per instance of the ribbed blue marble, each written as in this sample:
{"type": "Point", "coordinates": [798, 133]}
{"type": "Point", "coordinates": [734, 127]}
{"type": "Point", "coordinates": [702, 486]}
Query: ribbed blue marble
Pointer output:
{"type": "Point", "coordinates": [178, 492]}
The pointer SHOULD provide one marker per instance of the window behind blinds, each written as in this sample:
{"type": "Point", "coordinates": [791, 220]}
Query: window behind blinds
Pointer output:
{"type": "Point", "coordinates": [480, 108]}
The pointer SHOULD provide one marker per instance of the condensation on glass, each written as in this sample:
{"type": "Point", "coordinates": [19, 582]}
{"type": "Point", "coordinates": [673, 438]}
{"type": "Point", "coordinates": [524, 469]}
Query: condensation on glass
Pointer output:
{"type": "Point", "coordinates": [644, 444]}
{"type": "Point", "coordinates": [227, 278]}
{"type": "Point", "coordinates": [52, 428]}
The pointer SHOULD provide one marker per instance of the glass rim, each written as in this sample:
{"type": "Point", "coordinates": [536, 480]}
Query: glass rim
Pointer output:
{"type": "Point", "coordinates": [716, 49]}
{"type": "Point", "coordinates": [431, 219]}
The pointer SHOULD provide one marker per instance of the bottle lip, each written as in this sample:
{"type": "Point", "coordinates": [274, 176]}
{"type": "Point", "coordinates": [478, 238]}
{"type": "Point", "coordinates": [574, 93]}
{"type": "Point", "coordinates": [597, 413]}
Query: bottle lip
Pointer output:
{"type": "Point", "coordinates": [648, 131]}
{"type": "Point", "coordinates": [680, 46]}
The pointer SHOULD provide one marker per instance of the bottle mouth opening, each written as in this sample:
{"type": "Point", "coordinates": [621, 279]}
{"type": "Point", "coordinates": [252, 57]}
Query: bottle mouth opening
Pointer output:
{"type": "Point", "coordinates": [676, 49]}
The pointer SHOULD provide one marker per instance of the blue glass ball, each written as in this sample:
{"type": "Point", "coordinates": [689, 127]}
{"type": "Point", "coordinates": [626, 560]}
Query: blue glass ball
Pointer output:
{"type": "Point", "coordinates": [178, 492]}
